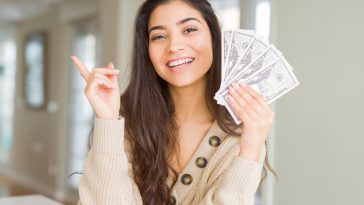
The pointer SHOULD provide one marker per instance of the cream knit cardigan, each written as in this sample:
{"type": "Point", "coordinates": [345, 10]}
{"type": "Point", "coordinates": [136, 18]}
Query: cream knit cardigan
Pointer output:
{"type": "Point", "coordinates": [108, 179]}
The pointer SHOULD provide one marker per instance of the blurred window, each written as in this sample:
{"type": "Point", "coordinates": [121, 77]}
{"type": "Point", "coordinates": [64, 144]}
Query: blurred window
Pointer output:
{"type": "Point", "coordinates": [262, 18]}
{"type": "Point", "coordinates": [228, 12]}
{"type": "Point", "coordinates": [7, 94]}
{"type": "Point", "coordinates": [81, 114]}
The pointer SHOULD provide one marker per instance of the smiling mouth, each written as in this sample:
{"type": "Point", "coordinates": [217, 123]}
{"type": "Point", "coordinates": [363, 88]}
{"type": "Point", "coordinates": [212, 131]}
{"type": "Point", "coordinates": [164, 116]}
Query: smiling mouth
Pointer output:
{"type": "Point", "coordinates": [182, 61]}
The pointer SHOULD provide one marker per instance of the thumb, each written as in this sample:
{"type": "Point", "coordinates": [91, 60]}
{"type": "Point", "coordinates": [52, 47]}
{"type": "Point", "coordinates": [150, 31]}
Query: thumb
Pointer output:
{"type": "Point", "coordinates": [114, 78]}
{"type": "Point", "coordinates": [111, 66]}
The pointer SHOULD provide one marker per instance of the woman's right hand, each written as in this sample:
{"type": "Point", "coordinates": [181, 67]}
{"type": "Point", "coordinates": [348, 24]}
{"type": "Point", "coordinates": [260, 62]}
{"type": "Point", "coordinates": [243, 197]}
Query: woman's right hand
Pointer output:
{"type": "Point", "coordinates": [102, 89]}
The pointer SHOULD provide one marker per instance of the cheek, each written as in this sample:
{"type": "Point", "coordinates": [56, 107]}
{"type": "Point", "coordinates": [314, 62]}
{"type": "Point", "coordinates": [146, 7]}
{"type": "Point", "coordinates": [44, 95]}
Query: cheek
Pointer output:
{"type": "Point", "coordinates": [155, 55]}
{"type": "Point", "coordinates": [152, 54]}
{"type": "Point", "coordinates": [204, 47]}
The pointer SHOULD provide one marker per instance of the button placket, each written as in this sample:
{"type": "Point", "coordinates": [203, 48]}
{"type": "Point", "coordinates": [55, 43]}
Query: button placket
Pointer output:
{"type": "Point", "coordinates": [172, 200]}
{"type": "Point", "coordinates": [201, 162]}
{"type": "Point", "coordinates": [190, 175]}
{"type": "Point", "coordinates": [214, 141]}
{"type": "Point", "coordinates": [186, 179]}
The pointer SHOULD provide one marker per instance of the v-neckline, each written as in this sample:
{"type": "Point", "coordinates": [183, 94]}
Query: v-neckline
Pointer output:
{"type": "Point", "coordinates": [198, 148]}
{"type": "Point", "coordinates": [190, 175]}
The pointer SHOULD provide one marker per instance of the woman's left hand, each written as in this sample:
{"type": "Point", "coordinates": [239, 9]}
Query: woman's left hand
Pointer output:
{"type": "Point", "coordinates": [256, 116]}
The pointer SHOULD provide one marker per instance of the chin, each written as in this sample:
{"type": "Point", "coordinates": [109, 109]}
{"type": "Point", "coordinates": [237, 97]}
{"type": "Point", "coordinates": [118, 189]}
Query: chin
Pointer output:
{"type": "Point", "coordinates": [182, 83]}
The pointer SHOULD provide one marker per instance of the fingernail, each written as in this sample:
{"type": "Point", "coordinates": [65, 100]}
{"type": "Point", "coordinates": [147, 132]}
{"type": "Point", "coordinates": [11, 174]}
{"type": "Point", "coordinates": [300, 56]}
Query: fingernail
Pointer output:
{"type": "Point", "coordinates": [73, 58]}
{"type": "Point", "coordinates": [112, 65]}
{"type": "Point", "coordinates": [231, 88]}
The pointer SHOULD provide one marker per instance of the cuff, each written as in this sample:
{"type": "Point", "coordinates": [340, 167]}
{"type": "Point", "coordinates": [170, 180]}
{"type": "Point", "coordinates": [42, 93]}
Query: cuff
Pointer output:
{"type": "Point", "coordinates": [108, 136]}
{"type": "Point", "coordinates": [243, 176]}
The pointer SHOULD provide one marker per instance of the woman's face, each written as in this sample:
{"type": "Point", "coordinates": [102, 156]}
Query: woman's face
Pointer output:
{"type": "Point", "coordinates": [180, 45]}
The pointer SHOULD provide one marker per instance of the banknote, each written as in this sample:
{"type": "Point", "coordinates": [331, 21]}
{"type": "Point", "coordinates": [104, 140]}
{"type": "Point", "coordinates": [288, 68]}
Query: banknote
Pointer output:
{"type": "Point", "coordinates": [274, 81]}
{"type": "Point", "coordinates": [226, 34]}
{"type": "Point", "coordinates": [239, 41]}
{"type": "Point", "coordinates": [271, 82]}
{"type": "Point", "coordinates": [247, 58]}
{"type": "Point", "coordinates": [255, 49]}
{"type": "Point", "coordinates": [263, 60]}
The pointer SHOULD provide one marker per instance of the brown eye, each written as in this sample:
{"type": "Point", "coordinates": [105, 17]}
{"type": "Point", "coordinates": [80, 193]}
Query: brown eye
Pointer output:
{"type": "Point", "coordinates": [189, 30]}
{"type": "Point", "coordinates": [158, 37]}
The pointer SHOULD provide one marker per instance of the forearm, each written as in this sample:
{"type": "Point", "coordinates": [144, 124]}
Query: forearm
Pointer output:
{"type": "Point", "coordinates": [237, 185]}
{"type": "Point", "coordinates": [105, 178]}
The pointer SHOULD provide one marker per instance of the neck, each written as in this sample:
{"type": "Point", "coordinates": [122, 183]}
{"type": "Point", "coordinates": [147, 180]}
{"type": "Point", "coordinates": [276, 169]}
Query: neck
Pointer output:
{"type": "Point", "coordinates": [190, 103]}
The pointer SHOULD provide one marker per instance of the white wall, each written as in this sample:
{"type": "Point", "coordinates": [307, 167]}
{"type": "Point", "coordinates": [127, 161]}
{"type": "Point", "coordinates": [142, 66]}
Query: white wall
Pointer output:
{"type": "Point", "coordinates": [319, 134]}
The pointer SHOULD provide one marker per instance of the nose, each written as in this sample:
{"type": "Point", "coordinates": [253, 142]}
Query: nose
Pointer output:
{"type": "Point", "coordinates": [176, 44]}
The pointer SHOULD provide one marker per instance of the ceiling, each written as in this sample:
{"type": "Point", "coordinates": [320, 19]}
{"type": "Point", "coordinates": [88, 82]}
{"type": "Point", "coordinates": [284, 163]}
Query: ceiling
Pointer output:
{"type": "Point", "coordinates": [17, 10]}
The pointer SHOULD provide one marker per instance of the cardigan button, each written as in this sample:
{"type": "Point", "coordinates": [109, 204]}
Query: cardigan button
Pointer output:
{"type": "Point", "coordinates": [186, 179]}
{"type": "Point", "coordinates": [172, 200]}
{"type": "Point", "coordinates": [214, 141]}
{"type": "Point", "coordinates": [201, 162]}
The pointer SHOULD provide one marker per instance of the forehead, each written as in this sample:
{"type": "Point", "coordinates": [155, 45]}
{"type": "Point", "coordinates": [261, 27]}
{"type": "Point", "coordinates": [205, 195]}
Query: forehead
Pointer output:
{"type": "Point", "coordinates": [172, 12]}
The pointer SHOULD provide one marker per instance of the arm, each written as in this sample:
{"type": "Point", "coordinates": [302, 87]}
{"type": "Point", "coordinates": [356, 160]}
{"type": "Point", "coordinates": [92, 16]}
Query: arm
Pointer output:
{"type": "Point", "coordinates": [238, 184]}
{"type": "Point", "coordinates": [106, 176]}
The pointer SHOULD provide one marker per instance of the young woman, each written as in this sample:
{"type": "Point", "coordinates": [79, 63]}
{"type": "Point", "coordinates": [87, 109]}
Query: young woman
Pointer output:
{"type": "Point", "coordinates": [166, 141]}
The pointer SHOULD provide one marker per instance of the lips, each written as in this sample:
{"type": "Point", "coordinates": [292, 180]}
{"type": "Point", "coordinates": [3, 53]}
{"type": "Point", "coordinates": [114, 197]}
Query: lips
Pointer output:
{"type": "Point", "coordinates": [178, 62]}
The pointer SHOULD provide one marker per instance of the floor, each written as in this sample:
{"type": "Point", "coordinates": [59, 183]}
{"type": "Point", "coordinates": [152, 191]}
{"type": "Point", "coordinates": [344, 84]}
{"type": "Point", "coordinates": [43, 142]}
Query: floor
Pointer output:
{"type": "Point", "coordinates": [9, 188]}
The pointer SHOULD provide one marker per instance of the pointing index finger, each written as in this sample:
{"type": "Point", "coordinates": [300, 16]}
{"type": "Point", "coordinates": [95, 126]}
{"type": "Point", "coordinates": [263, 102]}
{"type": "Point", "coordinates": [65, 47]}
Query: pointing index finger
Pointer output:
{"type": "Point", "coordinates": [81, 67]}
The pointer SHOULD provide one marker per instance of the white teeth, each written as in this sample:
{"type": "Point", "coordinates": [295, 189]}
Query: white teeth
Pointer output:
{"type": "Point", "coordinates": [180, 62]}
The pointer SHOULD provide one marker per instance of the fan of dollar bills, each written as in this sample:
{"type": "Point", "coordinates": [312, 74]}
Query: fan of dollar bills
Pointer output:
{"type": "Point", "coordinates": [248, 59]}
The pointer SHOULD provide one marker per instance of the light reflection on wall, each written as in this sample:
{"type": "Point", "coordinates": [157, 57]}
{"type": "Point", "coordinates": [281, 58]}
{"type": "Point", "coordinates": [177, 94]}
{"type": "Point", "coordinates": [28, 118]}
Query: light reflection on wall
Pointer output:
{"type": "Point", "coordinates": [262, 19]}
{"type": "Point", "coordinates": [7, 94]}
{"type": "Point", "coordinates": [228, 12]}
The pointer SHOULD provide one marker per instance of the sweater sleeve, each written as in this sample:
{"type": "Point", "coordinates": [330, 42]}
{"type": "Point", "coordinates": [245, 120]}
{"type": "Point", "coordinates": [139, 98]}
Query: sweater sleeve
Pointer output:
{"type": "Point", "coordinates": [238, 183]}
{"type": "Point", "coordinates": [106, 175]}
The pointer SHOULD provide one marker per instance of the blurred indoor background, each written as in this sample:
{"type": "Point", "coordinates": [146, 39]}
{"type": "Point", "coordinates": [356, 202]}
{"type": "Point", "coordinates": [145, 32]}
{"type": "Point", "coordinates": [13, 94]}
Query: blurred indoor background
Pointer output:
{"type": "Point", "coordinates": [316, 145]}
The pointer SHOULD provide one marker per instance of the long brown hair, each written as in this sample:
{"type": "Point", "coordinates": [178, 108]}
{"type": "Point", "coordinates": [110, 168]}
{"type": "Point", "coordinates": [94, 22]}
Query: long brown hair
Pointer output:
{"type": "Point", "coordinates": [149, 111]}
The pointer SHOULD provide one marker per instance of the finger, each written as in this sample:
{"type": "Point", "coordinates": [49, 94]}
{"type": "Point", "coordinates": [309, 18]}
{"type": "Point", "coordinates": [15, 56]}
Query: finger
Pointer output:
{"type": "Point", "coordinates": [244, 105]}
{"type": "Point", "coordinates": [81, 67]}
{"type": "Point", "coordinates": [254, 94]}
{"type": "Point", "coordinates": [106, 71]}
{"type": "Point", "coordinates": [114, 79]}
{"type": "Point", "coordinates": [257, 96]}
{"type": "Point", "coordinates": [110, 66]}
{"type": "Point", "coordinates": [237, 93]}
{"type": "Point", "coordinates": [258, 107]}
{"type": "Point", "coordinates": [101, 76]}
{"type": "Point", "coordinates": [99, 82]}
{"type": "Point", "coordinates": [239, 100]}
{"type": "Point", "coordinates": [238, 110]}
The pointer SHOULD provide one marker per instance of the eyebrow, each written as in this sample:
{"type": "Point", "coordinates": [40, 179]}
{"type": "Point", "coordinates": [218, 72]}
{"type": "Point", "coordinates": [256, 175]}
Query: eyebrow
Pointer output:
{"type": "Point", "coordinates": [159, 27]}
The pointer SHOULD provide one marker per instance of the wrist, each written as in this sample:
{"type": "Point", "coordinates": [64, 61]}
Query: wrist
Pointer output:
{"type": "Point", "coordinates": [249, 156]}
{"type": "Point", "coordinates": [111, 117]}
{"type": "Point", "coordinates": [250, 153]}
